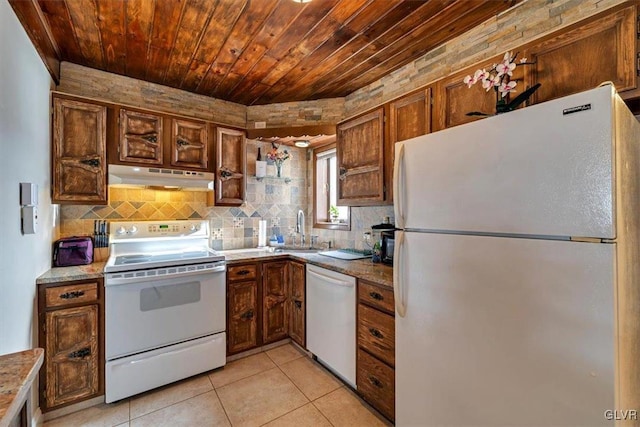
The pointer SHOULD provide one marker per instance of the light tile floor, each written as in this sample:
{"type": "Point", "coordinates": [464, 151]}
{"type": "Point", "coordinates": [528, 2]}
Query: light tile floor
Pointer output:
{"type": "Point", "coordinates": [280, 387]}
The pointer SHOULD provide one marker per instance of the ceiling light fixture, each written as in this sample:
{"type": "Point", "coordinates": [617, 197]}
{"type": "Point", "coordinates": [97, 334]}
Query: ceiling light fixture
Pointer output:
{"type": "Point", "coordinates": [302, 1]}
{"type": "Point", "coordinates": [302, 143]}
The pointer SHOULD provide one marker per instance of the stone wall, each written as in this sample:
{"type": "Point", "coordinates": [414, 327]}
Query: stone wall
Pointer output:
{"type": "Point", "coordinates": [84, 81]}
{"type": "Point", "coordinates": [528, 21]}
{"type": "Point", "coordinates": [304, 113]}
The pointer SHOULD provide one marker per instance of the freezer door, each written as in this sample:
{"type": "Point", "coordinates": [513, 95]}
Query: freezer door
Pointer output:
{"type": "Point", "coordinates": [503, 331]}
{"type": "Point", "coordinates": [542, 170]}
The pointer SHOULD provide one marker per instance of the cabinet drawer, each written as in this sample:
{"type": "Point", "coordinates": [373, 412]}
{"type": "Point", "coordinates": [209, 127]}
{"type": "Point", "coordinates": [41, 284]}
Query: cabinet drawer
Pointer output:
{"type": "Point", "coordinates": [71, 294]}
{"type": "Point", "coordinates": [242, 272]}
{"type": "Point", "coordinates": [376, 296]}
{"type": "Point", "coordinates": [376, 383]}
{"type": "Point", "coordinates": [376, 333]}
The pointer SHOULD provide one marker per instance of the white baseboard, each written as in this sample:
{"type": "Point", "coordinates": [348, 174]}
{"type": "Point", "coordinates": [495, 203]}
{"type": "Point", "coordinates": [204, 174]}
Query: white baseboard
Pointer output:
{"type": "Point", "coordinates": [36, 418]}
{"type": "Point", "coordinates": [73, 408]}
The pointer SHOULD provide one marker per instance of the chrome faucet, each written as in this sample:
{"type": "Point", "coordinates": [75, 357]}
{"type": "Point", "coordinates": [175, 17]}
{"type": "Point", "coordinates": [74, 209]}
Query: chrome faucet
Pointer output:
{"type": "Point", "coordinates": [300, 226]}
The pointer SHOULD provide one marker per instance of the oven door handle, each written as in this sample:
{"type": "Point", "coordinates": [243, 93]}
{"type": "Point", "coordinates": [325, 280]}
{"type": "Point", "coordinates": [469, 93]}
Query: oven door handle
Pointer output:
{"type": "Point", "coordinates": [115, 279]}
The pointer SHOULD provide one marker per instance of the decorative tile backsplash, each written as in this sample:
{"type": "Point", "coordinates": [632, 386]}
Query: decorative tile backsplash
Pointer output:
{"type": "Point", "coordinates": [232, 227]}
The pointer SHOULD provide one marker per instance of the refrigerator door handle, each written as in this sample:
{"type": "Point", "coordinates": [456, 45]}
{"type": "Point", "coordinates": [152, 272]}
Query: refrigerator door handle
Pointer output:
{"type": "Point", "coordinates": [397, 188]}
{"type": "Point", "coordinates": [398, 274]}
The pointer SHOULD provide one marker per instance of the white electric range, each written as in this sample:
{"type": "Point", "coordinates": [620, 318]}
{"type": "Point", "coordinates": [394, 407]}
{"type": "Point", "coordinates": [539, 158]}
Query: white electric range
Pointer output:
{"type": "Point", "coordinates": [165, 305]}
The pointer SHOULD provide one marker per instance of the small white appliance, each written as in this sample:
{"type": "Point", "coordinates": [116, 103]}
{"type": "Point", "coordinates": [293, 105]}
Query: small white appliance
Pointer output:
{"type": "Point", "coordinates": [516, 269]}
{"type": "Point", "coordinates": [331, 320]}
{"type": "Point", "coordinates": [165, 305]}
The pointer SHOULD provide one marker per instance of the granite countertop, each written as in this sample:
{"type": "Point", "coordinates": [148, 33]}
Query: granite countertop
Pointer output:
{"type": "Point", "coordinates": [362, 268]}
{"type": "Point", "coordinates": [17, 372]}
{"type": "Point", "coordinates": [68, 274]}
{"type": "Point", "coordinates": [380, 274]}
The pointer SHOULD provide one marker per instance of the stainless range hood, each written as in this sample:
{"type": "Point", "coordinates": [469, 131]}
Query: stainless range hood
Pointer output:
{"type": "Point", "coordinates": [170, 179]}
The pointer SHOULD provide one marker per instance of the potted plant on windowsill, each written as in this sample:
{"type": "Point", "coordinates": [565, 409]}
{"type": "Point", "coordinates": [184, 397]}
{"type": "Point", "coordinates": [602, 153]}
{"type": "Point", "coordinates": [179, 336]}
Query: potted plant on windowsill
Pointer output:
{"type": "Point", "coordinates": [333, 214]}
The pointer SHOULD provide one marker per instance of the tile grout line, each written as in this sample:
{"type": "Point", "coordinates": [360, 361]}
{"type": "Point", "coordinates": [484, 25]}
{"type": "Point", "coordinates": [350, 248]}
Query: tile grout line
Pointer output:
{"type": "Point", "coordinates": [222, 406]}
{"type": "Point", "coordinates": [172, 404]}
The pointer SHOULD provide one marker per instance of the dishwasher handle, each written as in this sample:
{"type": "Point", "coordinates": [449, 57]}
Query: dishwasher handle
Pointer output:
{"type": "Point", "coordinates": [330, 279]}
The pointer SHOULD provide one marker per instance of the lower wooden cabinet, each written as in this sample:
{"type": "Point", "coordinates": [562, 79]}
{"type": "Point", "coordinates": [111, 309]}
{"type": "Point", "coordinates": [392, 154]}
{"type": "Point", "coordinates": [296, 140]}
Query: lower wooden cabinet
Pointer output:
{"type": "Point", "coordinates": [275, 286]}
{"type": "Point", "coordinates": [242, 319]}
{"type": "Point", "coordinates": [375, 372]}
{"type": "Point", "coordinates": [297, 303]}
{"type": "Point", "coordinates": [265, 304]}
{"type": "Point", "coordinates": [71, 332]}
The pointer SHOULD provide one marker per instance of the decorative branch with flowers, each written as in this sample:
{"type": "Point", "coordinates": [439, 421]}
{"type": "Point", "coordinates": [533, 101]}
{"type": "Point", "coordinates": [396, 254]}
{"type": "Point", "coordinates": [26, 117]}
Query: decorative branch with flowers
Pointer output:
{"type": "Point", "coordinates": [278, 157]}
{"type": "Point", "coordinates": [498, 78]}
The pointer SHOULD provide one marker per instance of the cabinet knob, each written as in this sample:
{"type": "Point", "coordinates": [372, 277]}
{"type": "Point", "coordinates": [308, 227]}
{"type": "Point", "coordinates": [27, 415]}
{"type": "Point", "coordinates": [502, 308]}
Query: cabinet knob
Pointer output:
{"type": "Point", "coordinates": [376, 333]}
{"type": "Point", "coordinates": [150, 138]}
{"type": "Point", "coordinates": [376, 296]}
{"type": "Point", "coordinates": [376, 382]}
{"type": "Point", "coordinates": [182, 142]}
{"type": "Point", "coordinates": [298, 303]}
{"type": "Point", "coordinates": [248, 315]}
{"type": "Point", "coordinates": [91, 162]}
{"type": "Point", "coordinates": [243, 272]}
{"type": "Point", "coordinates": [71, 295]}
{"type": "Point", "coordinates": [79, 354]}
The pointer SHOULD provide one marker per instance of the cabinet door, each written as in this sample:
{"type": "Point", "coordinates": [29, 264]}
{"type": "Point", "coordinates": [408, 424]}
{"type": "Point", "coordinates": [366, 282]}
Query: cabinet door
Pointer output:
{"type": "Point", "coordinates": [582, 58]}
{"type": "Point", "coordinates": [189, 144]}
{"type": "Point", "coordinates": [409, 116]}
{"type": "Point", "coordinates": [297, 303]}
{"type": "Point", "coordinates": [242, 325]}
{"type": "Point", "coordinates": [453, 99]}
{"type": "Point", "coordinates": [274, 305]}
{"type": "Point", "coordinates": [140, 138]}
{"type": "Point", "coordinates": [79, 147]}
{"type": "Point", "coordinates": [360, 156]}
{"type": "Point", "coordinates": [230, 167]}
{"type": "Point", "coordinates": [71, 356]}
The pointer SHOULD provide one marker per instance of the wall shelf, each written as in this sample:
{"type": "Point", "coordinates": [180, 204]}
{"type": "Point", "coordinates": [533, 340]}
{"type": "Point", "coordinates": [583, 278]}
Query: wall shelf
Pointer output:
{"type": "Point", "coordinates": [286, 179]}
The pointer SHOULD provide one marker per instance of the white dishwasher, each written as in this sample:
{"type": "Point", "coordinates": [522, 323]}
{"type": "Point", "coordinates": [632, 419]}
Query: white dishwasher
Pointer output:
{"type": "Point", "coordinates": [331, 320]}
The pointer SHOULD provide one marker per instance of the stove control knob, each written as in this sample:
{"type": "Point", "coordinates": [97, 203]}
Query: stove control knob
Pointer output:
{"type": "Point", "coordinates": [133, 229]}
{"type": "Point", "coordinates": [193, 227]}
{"type": "Point", "coordinates": [121, 230]}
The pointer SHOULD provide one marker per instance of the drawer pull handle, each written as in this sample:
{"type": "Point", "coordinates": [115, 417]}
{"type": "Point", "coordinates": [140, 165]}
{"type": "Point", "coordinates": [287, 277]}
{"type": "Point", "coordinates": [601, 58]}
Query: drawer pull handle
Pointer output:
{"type": "Point", "coordinates": [376, 382]}
{"type": "Point", "coordinates": [79, 354]}
{"type": "Point", "coordinates": [243, 272]}
{"type": "Point", "coordinates": [248, 315]}
{"type": "Point", "coordinates": [376, 296]}
{"type": "Point", "coordinates": [298, 303]}
{"type": "Point", "coordinates": [376, 333]}
{"type": "Point", "coordinates": [71, 295]}
{"type": "Point", "coordinates": [91, 162]}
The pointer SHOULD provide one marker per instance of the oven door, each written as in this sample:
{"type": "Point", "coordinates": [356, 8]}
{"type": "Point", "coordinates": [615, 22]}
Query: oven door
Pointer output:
{"type": "Point", "coordinates": [148, 309]}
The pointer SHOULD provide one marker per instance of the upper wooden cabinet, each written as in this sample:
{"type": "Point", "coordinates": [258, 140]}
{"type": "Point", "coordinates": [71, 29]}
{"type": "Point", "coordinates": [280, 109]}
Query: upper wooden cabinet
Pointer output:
{"type": "Point", "coordinates": [360, 157]}
{"type": "Point", "coordinates": [453, 99]}
{"type": "Point", "coordinates": [409, 116]}
{"type": "Point", "coordinates": [189, 144]}
{"type": "Point", "coordinates": [79, 152]}
{"type": "Point", "coordinates": [230, 167]}
{"type": "Point", "coordinates": [582, 57]}
{"type": "Point", "coordinates": [140, 138]}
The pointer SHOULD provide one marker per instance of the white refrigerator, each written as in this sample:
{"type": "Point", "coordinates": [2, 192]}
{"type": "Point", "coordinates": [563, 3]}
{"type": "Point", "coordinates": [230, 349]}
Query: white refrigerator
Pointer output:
{"type": "Point", "coordinates": [517, 269]}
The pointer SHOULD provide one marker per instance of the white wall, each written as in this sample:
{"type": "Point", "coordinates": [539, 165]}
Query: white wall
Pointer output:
{"type": "Point", "coordinates": [24, 157]}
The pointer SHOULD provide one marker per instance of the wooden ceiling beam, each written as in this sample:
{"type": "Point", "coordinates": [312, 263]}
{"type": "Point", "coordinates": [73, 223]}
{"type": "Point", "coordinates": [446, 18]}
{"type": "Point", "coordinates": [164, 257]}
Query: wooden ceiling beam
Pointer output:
{"type": "Point", "coordinates": [37, 28]}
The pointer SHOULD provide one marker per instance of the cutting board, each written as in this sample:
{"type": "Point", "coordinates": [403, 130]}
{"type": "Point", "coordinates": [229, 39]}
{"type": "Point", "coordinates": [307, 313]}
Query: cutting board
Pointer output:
{"type": "Point", "coordinates": [349, 256]}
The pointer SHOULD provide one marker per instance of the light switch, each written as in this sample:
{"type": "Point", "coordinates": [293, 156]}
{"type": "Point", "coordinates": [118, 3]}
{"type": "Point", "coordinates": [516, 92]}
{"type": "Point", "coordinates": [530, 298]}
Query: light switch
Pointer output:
{"type": "Point", "coordinates": [29, 219]}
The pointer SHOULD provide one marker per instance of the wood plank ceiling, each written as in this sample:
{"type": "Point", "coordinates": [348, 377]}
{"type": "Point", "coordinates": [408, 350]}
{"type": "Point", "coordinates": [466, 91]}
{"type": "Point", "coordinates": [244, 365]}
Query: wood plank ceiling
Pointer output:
{"type": "Point", "coordinates": [255, 51]}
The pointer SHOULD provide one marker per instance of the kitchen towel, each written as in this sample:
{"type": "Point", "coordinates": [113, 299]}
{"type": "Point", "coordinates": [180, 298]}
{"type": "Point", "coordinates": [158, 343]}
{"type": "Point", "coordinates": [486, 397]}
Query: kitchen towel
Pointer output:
{"type": "Point", "coordinates": [262, 233]}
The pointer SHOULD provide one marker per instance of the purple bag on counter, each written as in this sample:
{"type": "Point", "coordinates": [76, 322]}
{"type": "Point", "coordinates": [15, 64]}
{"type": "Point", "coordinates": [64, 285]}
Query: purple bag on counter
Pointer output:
{"type": "Point", "coordinates": [77, 250]}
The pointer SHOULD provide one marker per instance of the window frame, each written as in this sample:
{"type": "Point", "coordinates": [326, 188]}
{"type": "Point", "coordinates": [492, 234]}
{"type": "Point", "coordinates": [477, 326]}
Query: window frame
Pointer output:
{"type": "Point", "coordinates": [344, 226]}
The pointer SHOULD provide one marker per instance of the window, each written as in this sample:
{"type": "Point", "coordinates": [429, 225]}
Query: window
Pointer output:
{"type": "Point", "coordinates": [326, 213]}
